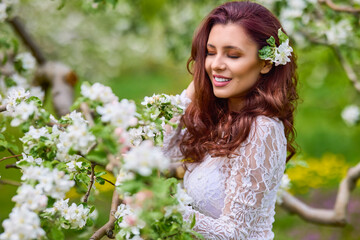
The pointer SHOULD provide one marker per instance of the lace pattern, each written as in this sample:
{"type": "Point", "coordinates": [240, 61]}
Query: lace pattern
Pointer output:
{"type": "Point", "coordinates": [235, 197]}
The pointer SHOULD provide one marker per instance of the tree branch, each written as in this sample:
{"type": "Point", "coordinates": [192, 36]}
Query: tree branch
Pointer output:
{"type": "Point", "coordinates": [62, 80]}
{"type": "Point", "coordinates": [339, 8]}
{"type": "Point", "coordinates": [108, 228]}
{"type": "Point", "coordinates": [332, 217]}
{"type": "Point", "coordinates": [11, 152]}
{"type": "Point", "coordinates": [14, 156]}
{"type": "Point", "coordinates": [12, 166]}
{"type": "Point", "coordinates": [19, 28]}
{"type": "Point", "coordinates": [108, 181]}
{"type": "Point", "coordinates": [2, 108]}
{"type": "Point", "coordinates": [87, 114]}
{"type": "Point", "coordinates": [10, 182]}
{"type": "Point", "coordinates": [348, 69]}
{"type": "Point", "coordinates": [92, 177]}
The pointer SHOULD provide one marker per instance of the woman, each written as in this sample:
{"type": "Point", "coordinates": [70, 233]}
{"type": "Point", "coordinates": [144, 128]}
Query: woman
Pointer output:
{"type": "Point", "coordinates": [239, 125]}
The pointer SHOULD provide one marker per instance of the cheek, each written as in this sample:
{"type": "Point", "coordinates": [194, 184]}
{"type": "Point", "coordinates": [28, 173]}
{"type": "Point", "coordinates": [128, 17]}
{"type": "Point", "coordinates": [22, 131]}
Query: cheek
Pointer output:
{"type": "Point", "coordinates": [208, 66]}
{"type": "Point", "coordinates": [247, 69]}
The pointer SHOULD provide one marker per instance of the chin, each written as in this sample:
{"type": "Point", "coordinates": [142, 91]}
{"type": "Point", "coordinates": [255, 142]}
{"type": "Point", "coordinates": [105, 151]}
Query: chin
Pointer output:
{"type": "Point", "coordinates": [220, 94]}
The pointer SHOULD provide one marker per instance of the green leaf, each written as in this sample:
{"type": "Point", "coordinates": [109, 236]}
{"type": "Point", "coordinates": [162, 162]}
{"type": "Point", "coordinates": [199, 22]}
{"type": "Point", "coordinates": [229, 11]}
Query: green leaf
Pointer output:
{"type": "Point", "coordinates": [100, 180]}
{"type": "Point", "coordinates": [15, 44]}
{"type": "Point", "coordinates": [83, 177]}
{"type": "Point", "coordinates": [3, 145]}
{"type": "Point", "coordinates": [271, 41]}
{"type": "Point", "coordinates": [97, 155]}
{"type": "Point", "coordinates": [98, 174]}
{"type": "Point", "coordinates": [193, 221]}
{"type": "Point", "coordinates": [62, 4]}
{"type": "Point", "coordinates": [9, 82]}
{"type": "Point", "coordinates": [282, 36]}
{"type": "Point", "coordinates": [56, 233]}
{"type": "Point", "coordinates": [266, 52]}
{"type": "Point", "coordinates": [34, 99]}
{"type": "Point", "coordinates": [89, 222]}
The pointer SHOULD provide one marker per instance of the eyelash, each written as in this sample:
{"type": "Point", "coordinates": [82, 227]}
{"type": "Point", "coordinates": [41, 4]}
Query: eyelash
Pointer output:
{"type": "Point", "coordinates": [230, 56]}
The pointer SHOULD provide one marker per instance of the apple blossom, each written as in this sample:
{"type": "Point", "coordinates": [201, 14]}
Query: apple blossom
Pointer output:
{"type": "Point", "coordinates": [351, 115]}
{"type": "Point", "coordinates": [145, 158]}
{"type": "Point", "coordinates": [27, 60]}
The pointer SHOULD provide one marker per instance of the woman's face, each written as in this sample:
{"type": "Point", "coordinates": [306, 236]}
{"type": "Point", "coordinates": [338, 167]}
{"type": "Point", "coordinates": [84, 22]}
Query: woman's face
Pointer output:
{"type": "Point", "coordinates": [232, 62]}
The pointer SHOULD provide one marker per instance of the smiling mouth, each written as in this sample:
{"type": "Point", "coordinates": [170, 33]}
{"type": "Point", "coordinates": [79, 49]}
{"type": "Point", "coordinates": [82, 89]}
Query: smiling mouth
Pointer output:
{"type": "Point", "coordinates": [221, 79]}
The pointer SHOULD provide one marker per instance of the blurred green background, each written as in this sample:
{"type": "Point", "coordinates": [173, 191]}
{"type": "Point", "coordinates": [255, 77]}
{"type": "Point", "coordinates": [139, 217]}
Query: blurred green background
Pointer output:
{"type": "Point", "coordinates": [116, 48]}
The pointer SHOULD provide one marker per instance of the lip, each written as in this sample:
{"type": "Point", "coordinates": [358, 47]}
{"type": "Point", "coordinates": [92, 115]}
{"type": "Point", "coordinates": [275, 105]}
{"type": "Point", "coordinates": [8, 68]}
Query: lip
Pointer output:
{"type": "Point", "coordinates": [220, 84]}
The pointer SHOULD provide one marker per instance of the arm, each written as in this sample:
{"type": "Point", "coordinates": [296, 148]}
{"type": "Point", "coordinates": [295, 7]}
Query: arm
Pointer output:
{"type": "Point", "coordinates": [252, 181]}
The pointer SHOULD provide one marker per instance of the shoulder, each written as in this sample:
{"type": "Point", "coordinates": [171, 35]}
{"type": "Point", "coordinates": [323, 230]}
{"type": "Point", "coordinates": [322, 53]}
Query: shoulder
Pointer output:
{"type": "Point", "coordinates": [264, 122]}
{"type": "Point", "coordinates": [266, 127]}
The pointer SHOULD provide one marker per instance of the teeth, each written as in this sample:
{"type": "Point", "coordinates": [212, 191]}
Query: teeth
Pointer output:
{"type": "Point", "coordinates": [222, 79]}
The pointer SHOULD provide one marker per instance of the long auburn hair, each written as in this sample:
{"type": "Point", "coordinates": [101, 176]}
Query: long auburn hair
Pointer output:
{"type": "Point", "coordinates": [211, 127]}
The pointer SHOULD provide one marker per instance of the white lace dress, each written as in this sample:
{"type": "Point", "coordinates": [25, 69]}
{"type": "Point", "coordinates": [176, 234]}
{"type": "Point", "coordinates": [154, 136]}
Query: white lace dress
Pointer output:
{"type": "Point", "coordinates": [234, 198]}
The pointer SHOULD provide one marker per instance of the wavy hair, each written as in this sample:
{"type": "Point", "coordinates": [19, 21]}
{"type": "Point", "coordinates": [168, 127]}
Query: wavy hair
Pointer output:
{"type": "Point", "coordinates": [211, 127]}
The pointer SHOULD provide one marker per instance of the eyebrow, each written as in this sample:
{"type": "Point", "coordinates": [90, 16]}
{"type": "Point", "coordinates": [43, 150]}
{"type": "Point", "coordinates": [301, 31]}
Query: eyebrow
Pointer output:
{"type": "Point", "coordinates": [226, 47]}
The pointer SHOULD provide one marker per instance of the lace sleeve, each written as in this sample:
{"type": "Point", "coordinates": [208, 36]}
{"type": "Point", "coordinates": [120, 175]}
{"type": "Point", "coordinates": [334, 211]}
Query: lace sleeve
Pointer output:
{"type": "Point", "coordinates": [172, 136]}
{"type": "Point", "coordinates": [252, 179]}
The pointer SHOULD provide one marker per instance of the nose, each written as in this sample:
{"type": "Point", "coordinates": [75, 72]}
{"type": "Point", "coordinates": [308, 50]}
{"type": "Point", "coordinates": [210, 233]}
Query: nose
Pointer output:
{"type": "Point", "coordinates": [218, 64]}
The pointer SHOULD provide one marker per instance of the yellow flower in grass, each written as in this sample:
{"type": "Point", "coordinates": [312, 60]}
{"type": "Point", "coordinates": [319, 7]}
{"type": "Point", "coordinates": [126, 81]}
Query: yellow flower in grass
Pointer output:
{"type": "Point", "coordinates": [319, 173]}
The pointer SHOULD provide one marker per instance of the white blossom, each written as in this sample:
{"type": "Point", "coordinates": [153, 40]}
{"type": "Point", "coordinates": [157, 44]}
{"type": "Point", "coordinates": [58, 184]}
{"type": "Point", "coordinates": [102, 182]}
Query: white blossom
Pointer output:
{"type": "Point", "coordinates": [30, 159]}
{"type": "Point", "coordinates": [135, 135]}
{"type": "Point", "coordinates": [72, 165]}
{"type": "Point", "coordinates": [75, 117]}
{"type": "Point", "coordinates": [144, 158]}
{"type": "Point", "coordinates": [63, 156]}
{"type": "Point", "coordinates": [59, 206]}
{"type": "Point", "coordinates": [124, 176]}
{"type": "Point", "coordinates": [129, 223]}
{"type": "Point", "coordinates": [20, 81]}
{"type": "Point", "coordinates": [282, 53]}
{"type": "Point", "coordinates": [36, 133]}
{"type": "Point", "coordinates": [351, 115]}
{"type": "Point", "coordinates": [120, 114]}
{"type": "Point", "coordinates": [52, 183]}
{"type": "Point", "coordinates": [183, 200]}
{"type": "Point", "coordinates": [3, 14]}
{"type": "Point", "coordinates": [27, 60]}
{"type": "Point", "coordinates": [37, 92]}
{"type": "Point", "coordinates": [338, 33]}
{"type": "Point", "coordinates": [22, 112]}
{"type": "Point", "coordinates": [76, 215]}
{"type": "Point", "coordinates": [284, 186]}
{"type": "Point", "coordinates": [77, 137]}
{"type": "Point", "coordinates": [15, 94]}
{"type": "Point", "coordinates": [31, 198]}
{"type": "Point", "coordinates": [22, 224]}
{"type": "Point", "coordinates": [10, 2]}
{"type": "Point", "coordinates": [182, 101]}
{"type": "Point", "coordinates": [98, 92]}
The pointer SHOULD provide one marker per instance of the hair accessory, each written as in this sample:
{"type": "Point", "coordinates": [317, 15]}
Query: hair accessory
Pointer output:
{"type": "Point", "coordinates": [278, 55]}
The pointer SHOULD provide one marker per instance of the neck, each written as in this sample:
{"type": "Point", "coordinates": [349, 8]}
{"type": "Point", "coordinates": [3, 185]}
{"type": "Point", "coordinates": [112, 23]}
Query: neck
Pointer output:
{"type": "Point", "coordinates": [235, 104]}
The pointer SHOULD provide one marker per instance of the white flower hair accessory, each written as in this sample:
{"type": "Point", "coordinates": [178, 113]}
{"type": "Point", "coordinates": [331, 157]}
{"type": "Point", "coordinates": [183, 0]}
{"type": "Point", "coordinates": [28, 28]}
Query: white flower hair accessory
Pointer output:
{"type": "Point", "coordinates": [278, 55]}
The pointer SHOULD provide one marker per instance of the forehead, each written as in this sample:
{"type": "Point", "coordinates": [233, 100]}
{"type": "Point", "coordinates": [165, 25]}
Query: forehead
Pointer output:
{"type": "Point", "coordinates": [230, 34]}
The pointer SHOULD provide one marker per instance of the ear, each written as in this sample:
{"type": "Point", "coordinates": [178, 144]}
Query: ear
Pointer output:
{"type": "Point", "coordinates": [266, 67]}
